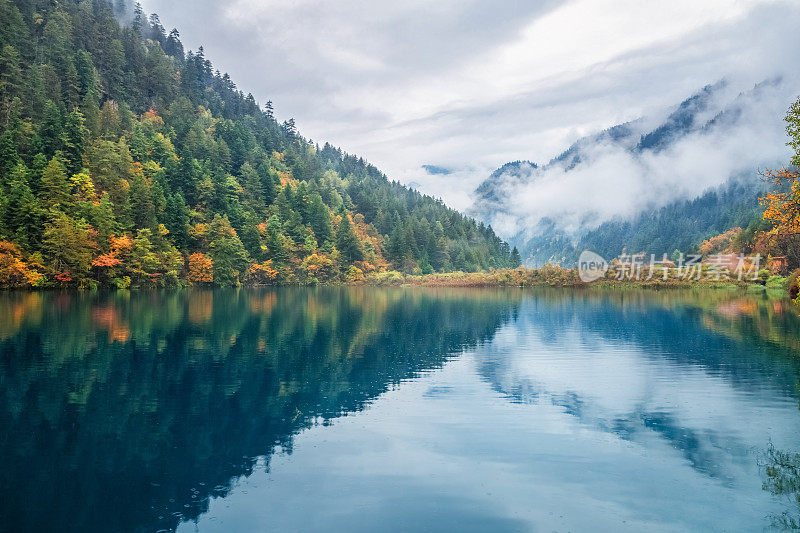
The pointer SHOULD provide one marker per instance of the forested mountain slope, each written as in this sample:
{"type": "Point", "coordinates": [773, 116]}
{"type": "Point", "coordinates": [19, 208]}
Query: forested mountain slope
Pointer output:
{"type": "Point", "coordinates": [126, 161]}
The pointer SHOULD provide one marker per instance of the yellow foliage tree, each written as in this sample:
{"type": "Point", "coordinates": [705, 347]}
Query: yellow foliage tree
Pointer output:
{"type": "Point", "coordinates": [782, 210]}
{"type": "Point", "coordinates": [318, 266]}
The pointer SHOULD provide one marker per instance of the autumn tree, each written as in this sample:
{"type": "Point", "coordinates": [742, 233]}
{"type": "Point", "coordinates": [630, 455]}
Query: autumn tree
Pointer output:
{"type": "Point", "coordinates": [782, 206]}
{"type": "Point", "coordinates": [200, 268]}
{"type": "Point", "coordinates": [263, 273]}
{"type": "Point", "coordinates": [317, 268]}
{"type": "Point", "coordinates": [14, 271]}
{"type": "Point", "coordinates": [722, 243]}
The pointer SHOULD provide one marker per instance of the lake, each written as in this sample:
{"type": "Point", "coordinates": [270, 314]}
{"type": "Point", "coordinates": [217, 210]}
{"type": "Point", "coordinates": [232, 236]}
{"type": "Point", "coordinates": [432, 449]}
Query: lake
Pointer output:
{"type": "Point", "coordinates": [369, 409]}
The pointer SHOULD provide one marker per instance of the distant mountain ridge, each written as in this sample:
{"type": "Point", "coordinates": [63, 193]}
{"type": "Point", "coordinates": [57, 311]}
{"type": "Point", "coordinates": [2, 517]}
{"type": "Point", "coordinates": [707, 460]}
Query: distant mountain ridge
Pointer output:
{"type": "Point", "coordinates": [519, 170]}
{"type": "Point", "coordinates": [546, 238]}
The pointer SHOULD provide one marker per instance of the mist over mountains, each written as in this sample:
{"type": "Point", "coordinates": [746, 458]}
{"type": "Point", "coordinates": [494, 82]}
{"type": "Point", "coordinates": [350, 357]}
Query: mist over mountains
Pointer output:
{"type": "Point", "coordinates": [654, 184]}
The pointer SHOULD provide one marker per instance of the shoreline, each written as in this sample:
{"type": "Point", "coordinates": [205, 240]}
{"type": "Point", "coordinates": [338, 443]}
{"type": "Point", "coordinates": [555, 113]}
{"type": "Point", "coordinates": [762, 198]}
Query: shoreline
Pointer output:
{"type": "Point", "coordinates": [553, 277]}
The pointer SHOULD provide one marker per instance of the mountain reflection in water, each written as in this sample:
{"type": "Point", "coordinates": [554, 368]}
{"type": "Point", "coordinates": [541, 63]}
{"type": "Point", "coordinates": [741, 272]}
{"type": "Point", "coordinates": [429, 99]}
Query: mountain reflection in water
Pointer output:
{"type": "Point", "coordinates": [137, 412]}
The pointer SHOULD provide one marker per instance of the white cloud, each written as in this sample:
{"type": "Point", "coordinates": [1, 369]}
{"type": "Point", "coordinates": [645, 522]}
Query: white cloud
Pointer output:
{"type": "Point", "coordinates": [470, 85]}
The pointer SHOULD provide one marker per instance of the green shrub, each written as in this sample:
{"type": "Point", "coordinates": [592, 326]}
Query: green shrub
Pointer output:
{"type": "Point", "coordinates": [776, 282]}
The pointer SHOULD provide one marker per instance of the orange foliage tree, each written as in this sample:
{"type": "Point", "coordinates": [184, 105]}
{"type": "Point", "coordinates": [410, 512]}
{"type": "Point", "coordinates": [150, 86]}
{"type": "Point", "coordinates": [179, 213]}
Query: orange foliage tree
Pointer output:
{"type": "Point", "coordinates": [14, 272]}
{"type": "Point", "coordinates": [105, 264]}
{"type": "Point", "coordinates": [106, 261]}
{"type": "Point", "coordinates": [263, 274]}
{"type": "Point", "coordinates": [721, 243]}
{"type": "Point", "coordinates": [200, 268]}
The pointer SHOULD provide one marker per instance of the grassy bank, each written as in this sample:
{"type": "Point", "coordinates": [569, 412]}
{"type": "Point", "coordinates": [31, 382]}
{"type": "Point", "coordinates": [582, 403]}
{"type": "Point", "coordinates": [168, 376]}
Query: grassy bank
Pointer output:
{"type": "Point", "coordinates": [554, 276]}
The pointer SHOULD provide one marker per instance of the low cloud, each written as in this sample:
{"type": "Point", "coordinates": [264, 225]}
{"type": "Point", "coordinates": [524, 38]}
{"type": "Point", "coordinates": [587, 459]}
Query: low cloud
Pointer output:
{"type": "Point", "coordinates": [613, 181]}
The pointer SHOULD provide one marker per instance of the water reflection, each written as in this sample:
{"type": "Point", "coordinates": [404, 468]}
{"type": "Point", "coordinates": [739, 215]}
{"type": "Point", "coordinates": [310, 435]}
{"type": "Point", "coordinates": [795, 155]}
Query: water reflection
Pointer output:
{"type": "Point", "coordinates": [635, 365]}
{"type": "Point", "coordinates": [134, 412]}
{"type": "Point", "coordinates": [782, 478]}
{"type": "Point", "coordinates": [125, 412]}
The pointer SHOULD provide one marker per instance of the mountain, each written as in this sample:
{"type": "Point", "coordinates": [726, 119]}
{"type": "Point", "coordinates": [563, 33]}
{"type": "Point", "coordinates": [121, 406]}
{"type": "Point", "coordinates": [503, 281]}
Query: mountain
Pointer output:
{"type": "Point", "coordinates": [490, 194]}
{"type": "Point", "coordinates": [676, 180]}
{"type": "Point", "coordinates": [125, 160]}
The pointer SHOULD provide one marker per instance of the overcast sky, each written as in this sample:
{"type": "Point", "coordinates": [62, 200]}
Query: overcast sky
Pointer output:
{"type": "Point", "coordinates": [470, 85]}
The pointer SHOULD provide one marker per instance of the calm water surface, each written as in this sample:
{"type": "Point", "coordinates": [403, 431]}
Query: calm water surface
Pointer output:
{"type": "Point", "coordinates": [399, 410]}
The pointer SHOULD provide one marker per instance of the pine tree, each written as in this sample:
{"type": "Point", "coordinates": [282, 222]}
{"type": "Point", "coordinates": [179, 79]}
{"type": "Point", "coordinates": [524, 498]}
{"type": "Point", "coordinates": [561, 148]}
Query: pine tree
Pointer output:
{"type": "Point", "coordinates": [516, 260]}
{"type": "Point", "coordinates": [228, 252]}
{"type": "Point", "coordinates": [141, 200]}
{"type": "Point", "coordinates": [173, 46]}
{"type": "Point", "coordinates": [10, 79]}
{"type": "Point", "coordinates": [290, 128]}
{"type": "Point", "coordinates": [320, 220]}
{"type": "Point", "coordinates": [275, 243]}
{"type": "Point", "coordinates": [268, 185]}
{"type": "Point", "coordinates": [55, 188]}
{"type": "Point", "coordinates": [20, 212]}
{"type": "Point", "coordinates": [50, 129]}
{"type": "Point", "coordinates": [178, 219]}
{"type": "Point", "coordinates": [88, 84]}
{"type": "Point", "coordinates": [75, 135]}
{"type": "Point", "coordinates": [9, 157]}
{"type": "Point", "coordinates": [33, 91]}
{"type": "Point", "coordinates": [347, 243]}
{"type": "Point", "coordinates": [103, 220]}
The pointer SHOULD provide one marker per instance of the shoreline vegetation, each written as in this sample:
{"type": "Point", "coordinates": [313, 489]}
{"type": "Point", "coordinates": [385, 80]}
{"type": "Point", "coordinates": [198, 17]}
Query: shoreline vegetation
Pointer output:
{"type": "Point", "coordinates": [521, 277]}
{"type": "Point", "coordinates": [555, 276]}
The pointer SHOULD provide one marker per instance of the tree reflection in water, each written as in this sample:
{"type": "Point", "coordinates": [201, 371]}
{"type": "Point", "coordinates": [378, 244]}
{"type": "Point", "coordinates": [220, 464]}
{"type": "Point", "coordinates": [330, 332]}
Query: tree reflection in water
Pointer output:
{"type": "Point", "coordinates": [127, 412]}
{"type": "Point", "coordinates": [782, 479]}
{"type": "Point", "coordinates": [130, 411]}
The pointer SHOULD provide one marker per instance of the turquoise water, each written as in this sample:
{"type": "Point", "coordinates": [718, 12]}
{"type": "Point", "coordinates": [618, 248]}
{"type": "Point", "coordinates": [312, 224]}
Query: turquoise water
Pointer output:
{"type": "Point", "coordinates": [361, 409]}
